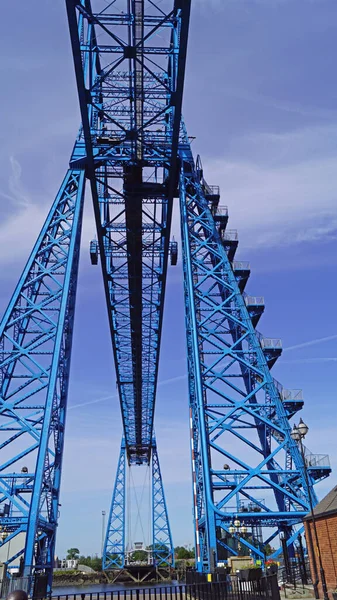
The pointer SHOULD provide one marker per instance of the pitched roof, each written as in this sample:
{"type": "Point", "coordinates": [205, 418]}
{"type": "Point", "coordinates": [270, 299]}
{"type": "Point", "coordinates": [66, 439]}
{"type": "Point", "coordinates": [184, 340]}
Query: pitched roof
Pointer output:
{"type": "Point", "coordinates": [326, 506]}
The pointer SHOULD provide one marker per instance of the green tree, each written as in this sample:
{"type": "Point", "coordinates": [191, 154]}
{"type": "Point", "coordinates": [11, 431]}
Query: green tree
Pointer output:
{"type": "Point", "coordinates": [182, 553]}
{"type": "Point", "coordinates": [73, 553]}
{"type": "Point", "coordinates": [94, 563]}
{"type": "Point", "coordinates": [268, 549]}
{"type": "Point", "coordinates": [139, 556]}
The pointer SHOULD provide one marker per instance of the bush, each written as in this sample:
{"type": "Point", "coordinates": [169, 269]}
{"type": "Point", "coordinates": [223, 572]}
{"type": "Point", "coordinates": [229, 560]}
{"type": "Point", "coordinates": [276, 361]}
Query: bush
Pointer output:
{"type": "Point", "coordinates": [63, 572]}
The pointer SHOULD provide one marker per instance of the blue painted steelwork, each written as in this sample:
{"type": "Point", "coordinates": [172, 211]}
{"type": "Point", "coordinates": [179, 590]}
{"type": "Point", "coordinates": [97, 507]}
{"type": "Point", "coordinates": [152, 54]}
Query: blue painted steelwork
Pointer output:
{"type": "Point", "coordinates": [114, 553]}
{"type": "Point", "coordinates": [130, 83]}
{"type": "Point", "coordinates": [35, 344]}
{"type": "Point", "coordinates": [130, 99]}
{"type": "Point", "coordinates": [129, 58]}
{"type": "Point", "coordinates": [162, 545]}
{"type": "Point", "coordinates": [114, 545]}
{"type": "Point", "coordinates": [130, 102]}
{"type": "Point", "coordinates": [239, 413]}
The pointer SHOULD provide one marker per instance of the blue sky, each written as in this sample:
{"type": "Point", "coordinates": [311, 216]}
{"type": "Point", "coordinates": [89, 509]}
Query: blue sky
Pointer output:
{"type": "Point", "coordinates": [260, 98]}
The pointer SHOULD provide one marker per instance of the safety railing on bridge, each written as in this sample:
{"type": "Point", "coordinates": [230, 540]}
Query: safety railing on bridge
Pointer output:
{"type": "Point", "coordinates": [254, 300]}
{"type": "Point", "coordinates": [292, 394]}
{"type": "Point", "coordinates": [271, 343]}
{"type": "Point", "coordinates": [317, 460]}
{"type": "Point", "coordinates": [241, 265]}
{"type": "Point", "coordinates": [230, 235]}
{"type": "Point", "coordinates": [222, 210]}
{"type": "Point", "coordinates": [211, 190]}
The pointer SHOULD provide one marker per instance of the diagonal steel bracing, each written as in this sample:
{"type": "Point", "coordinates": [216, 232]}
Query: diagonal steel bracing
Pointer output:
{"type": "Point", "coordinates": [237, 412]}
{"type": "Point", "coordinates": [162, 545]}
{"type": "Point", "coordinates": [114, 544]}
{"type": "Point", "coordinates": [129, 59]}
{"type": "Point", "coordinates": [161, 551]}
{"type": "Point", "coordinates": [130, 101]}
{"type": "Point", "coordinates": [35, 344]}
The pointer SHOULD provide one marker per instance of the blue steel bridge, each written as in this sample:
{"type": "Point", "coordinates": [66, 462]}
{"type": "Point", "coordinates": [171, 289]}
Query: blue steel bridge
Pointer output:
{"type": "Point", "coordinates": [133, 150]}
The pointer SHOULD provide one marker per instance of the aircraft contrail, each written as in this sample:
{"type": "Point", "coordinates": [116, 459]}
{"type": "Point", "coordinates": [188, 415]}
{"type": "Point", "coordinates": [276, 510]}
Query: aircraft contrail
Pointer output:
{"type": "Point", "coordinates": [310, 360]}
{"type": "Point", "coordinates": [311, 342]}
{"type": "Point", "coordinates": [110, 397]}
{"type": "Point", "coordinates": [113, 396]}
{"type": "Point", "coordinates": [181, 377]}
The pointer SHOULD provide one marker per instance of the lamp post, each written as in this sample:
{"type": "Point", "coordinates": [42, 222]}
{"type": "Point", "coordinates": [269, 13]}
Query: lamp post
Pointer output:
{"type": "Point", "coordinates": [103, 532]}
{"type": "Point", "coordinates": [298, 434]}
{"type": "Point", "coordinates": [235, 528]}
{"type": "Point", "coordinates": [4, 536]}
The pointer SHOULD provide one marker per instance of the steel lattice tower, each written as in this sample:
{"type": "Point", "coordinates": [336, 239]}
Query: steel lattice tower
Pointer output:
{"type": "Point", "coordinates": [129, 58]}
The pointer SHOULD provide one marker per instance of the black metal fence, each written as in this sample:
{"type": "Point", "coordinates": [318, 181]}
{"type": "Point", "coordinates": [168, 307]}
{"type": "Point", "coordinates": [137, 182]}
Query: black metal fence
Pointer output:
{"type": "Point", "coordinates": [297, 575]}
{"type": "Point", "coordinates": [231, 589]}
{"type": "Point", "coordinates": [11, 584]}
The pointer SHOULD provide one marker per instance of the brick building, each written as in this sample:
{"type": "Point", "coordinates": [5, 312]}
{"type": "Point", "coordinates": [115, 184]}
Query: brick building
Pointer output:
{"type": "Point", "coordinates": [326, 523]}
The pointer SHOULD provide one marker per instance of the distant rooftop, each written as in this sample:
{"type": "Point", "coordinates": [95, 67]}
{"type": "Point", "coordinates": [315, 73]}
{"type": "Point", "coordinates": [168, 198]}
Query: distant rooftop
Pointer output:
{"type": "Point", "coordinates": [327, 506]}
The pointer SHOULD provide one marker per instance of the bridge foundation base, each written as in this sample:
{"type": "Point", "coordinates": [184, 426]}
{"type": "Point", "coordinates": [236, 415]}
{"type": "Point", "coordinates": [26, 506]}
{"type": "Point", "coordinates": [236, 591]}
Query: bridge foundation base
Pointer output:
{"type": "Point", "coordinates": [139, 574]}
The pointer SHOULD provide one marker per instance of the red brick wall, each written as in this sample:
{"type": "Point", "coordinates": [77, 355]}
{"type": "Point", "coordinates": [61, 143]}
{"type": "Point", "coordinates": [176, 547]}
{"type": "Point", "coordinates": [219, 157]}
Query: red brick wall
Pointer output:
{"type": "Point", "coordinates": [327, 537]}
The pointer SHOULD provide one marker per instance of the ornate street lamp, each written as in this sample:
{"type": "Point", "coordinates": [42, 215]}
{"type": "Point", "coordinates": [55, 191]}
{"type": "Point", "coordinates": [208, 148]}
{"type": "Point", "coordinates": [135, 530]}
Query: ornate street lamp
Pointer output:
{"type": "Point", "coordinates": [4, 536]}
{"type": "Point", "coordinates": [298, 434]}
{"type": "Point", "coordinates": [236, 528]}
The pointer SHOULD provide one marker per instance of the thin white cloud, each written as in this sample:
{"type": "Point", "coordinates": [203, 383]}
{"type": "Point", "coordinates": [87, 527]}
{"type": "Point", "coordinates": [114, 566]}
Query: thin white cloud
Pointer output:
{"type": "Point", "coordinates": [184, 377]}
{"type": "Point", "coordinates": [95, 401]}
{"type": "Point", "coordinates": [280, 189]}
{"type": "Point", "coordinates": [311, 342]}
{"type": "Point", "coordinates": [26, 219]}
{"type": "Point", "coordinates": [303, 361]}
{"type": "Point", "coordinates": [284, 106]}
{"type": "Point", "coordinates": [172, 380]}
{"type": "Point", "coordinates": [115, 396]}
{"type": "Point", "coordinates": [19, 232]}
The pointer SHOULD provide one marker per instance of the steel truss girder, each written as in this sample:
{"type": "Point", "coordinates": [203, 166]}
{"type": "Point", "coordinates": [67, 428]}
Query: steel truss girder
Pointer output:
{"type": "Point", "coordinates": [233, 397]}
{"type": "Point", "coordinates": [130, 93]}
{"type": "Point", "coordinates": [114, 545]}
{"type": "Point", "coordinates": [162, 552]}
{"type": "Point", "coordinates": [162, 545]}
{"type": "Point", "coordinates": [35, 348]}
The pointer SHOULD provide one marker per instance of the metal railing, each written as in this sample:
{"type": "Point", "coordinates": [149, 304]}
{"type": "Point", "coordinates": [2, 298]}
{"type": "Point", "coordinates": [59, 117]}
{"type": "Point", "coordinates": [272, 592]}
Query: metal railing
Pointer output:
{"type": "Point", "coordinates": [292, 394]}
{"type": "Point", "coordinates": [317, 460]}
{"type": "Point", "coordinates": [221, 211]}
{"type": "Point", "coordinates": [254, 300]}
{"type": "Point", "coordinates": [270, 343]}
{"type": "Point", "coordinates": [229, 589]}
{"type": "Point", "coordinates": [297, 575]}
{"type": "Point", "coordinates": [211, 190]}
{"type": "Point", "coordinates": [241, 265]}
{"type": "Point", "coordinates": [36, 586]}
{"type": "Point", "coordinates": [230, 235]}
{"type": "Point", "coordinates": [11, 584]}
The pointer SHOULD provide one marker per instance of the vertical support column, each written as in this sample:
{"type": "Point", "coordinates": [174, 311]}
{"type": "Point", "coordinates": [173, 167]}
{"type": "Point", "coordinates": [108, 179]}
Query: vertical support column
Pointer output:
{"type": "Point", "coordinates": [36, 338]}
{"type": "Point", "coordinates": [114, 546]}
{"type": "Point", "coordinates": [204, 495]}
{"type": "Point", "coordinates": [162, 546]}
{"type": "Point", "coordinates": [196, 495]}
